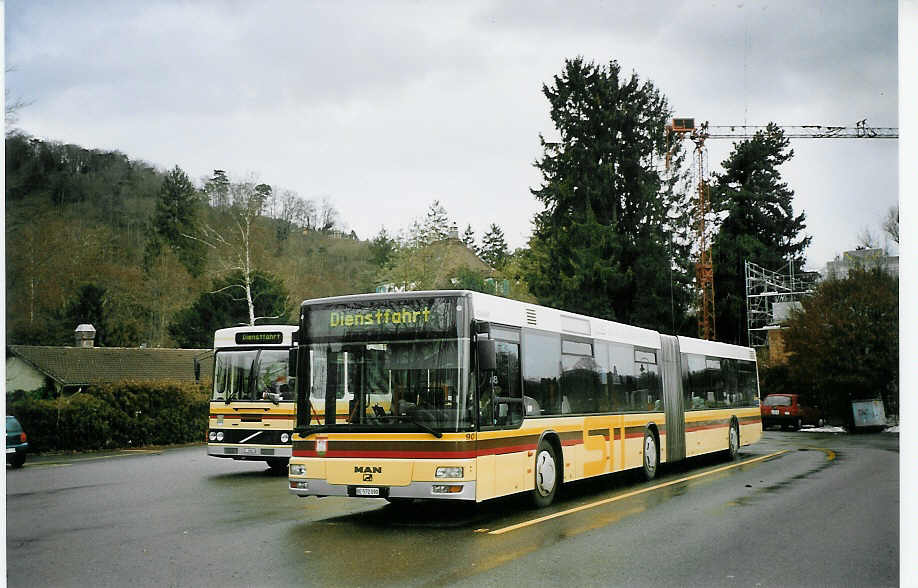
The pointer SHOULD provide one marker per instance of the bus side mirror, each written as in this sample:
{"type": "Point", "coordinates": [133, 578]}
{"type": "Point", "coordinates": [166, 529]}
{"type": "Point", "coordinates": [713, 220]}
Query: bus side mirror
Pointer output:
{"type": "Point", "coordinates": [487, 355]}
{"type": "Point", "coordinates": [291, 363]}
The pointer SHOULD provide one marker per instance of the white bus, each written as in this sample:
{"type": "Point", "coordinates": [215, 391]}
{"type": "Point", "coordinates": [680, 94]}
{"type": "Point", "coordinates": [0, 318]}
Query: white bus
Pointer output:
{"type": "Point", "coordinates": [252, 409]}
{"type": "Point", "coordinates": [465, 396]}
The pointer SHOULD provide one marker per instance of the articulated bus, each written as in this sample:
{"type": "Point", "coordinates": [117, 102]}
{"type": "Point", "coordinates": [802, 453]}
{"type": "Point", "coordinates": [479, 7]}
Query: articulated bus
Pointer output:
{"type": "Point", "coordinates": [465, 396]}
{"type": "Point", "coordinates": [252, 408]}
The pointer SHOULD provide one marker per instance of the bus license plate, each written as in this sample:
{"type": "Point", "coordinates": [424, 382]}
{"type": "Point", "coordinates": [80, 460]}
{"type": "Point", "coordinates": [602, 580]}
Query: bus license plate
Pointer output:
{"type": "Point", "coordinates": [250, 450]}
{"type": "Point", "coordinates": [366, 491]}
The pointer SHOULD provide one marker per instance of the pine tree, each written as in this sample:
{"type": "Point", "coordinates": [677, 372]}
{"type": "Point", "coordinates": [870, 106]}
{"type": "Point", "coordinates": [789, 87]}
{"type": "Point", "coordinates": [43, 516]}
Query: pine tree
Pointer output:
{"type": "Point", "coordinates": [759, 225]}
{"type": "Point", "coordinates": [436, 223]}
{"type": "Point", "coordinates": [174, 219]}
{"type": "Point", "coordinates": [217, 189]}
{"type": "Point", "coordinates": [494, 250]}
{"type": "Point", "coordinates": [468, 238]}
{"type": "Point", "coordinates": [603, 244]}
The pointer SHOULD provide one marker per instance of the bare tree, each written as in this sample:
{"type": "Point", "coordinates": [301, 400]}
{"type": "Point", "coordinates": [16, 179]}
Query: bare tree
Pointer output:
{"type": "Point", "coordinates": [891, 222]}
{"type": "Point", "coordinates": [12, 106]}
{"type": "Point", "coordinates": [327, 216]}
{"type": "Point", "coordinates": [233, 246]}
{"type": "Point", "coordinates": [867, 240]}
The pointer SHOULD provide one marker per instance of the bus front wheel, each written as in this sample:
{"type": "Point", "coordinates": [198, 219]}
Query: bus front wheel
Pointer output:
{"type": "Point", "coordinates": [651, 455]}
{"type": "Point", "coordinates": [546, 475]}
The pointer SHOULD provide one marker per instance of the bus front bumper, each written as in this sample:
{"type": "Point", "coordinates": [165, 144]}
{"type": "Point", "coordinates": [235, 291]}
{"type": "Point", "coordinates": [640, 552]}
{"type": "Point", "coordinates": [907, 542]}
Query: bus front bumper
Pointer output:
{"type": "Point", "coordinates": [258, 452]}
{"type": "Point", "coordinates": [434, 490]}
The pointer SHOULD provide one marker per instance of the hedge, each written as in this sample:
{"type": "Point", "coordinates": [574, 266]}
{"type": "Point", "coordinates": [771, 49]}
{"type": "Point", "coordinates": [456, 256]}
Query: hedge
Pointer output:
{"type": "Point", "coordinates": [120, 415]}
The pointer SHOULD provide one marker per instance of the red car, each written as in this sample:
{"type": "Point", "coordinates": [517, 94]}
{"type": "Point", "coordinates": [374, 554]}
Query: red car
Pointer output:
{"type": "Point", "coordinates": [789, 411]}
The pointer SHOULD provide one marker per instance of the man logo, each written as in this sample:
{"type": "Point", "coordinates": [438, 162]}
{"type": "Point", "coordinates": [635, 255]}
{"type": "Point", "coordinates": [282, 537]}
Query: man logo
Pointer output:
{"type": "Point", "coordinates": [367, 469]}
{"type": "Point", "coordinates": [368, 477]}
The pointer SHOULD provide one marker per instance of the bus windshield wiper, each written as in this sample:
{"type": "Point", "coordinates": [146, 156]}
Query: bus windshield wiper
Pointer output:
{"type": "Point", "coordinates": [426, 428]}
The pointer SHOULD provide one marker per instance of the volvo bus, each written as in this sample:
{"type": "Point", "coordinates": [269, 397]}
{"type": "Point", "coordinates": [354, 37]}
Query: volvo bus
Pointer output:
{"type": "Point", "coordinates": [465, 396]}
{"type": "Point", "coordinates": [252, 407]}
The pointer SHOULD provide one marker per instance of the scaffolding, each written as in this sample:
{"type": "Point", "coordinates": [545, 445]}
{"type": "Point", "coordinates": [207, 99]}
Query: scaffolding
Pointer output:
{"type": "Point", "coordinates": [770, 294]}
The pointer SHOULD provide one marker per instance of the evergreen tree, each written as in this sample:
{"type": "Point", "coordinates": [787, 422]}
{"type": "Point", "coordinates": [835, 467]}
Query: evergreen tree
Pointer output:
{"type": "Point", "coordinates": [468, 238]}
{"type": "Point", "coordinates": [494, 250]}
{"type": "Point", "coordinates": [436, 223]}
{"type": "Point", "coordinates": [381, 248]}
{"type": "Point", "coordinates": [603, 245]}
{"type": "Point", "coordinates": [217, 189]}
{"type": "Point", "coordinates": [194, 326]}
{"type": "Point", "coordinates": [174, 219]}
{"type": "Point", "coordinates": [759, 225]}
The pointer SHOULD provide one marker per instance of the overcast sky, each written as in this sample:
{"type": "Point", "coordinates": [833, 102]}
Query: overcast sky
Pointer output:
{"type": "Point", "coordinates": [385, 106]}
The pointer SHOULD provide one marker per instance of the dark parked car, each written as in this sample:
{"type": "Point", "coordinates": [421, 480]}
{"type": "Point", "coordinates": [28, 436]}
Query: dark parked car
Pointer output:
{"type": "Point", "coordinates": [789, 410]}
{"type": "Point", "coordinates": [16, 445]}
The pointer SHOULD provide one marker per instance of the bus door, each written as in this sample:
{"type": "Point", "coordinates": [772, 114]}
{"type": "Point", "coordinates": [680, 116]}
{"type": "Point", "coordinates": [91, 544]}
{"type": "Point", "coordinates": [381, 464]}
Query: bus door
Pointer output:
{"type": "Point", "coordinates": [673, 404]}
{"type": "Point", "coordinates": [501, 465]}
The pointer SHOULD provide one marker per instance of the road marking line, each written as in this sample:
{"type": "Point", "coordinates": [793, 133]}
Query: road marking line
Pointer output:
{"type": "Point", "coordinates": [630, 494]}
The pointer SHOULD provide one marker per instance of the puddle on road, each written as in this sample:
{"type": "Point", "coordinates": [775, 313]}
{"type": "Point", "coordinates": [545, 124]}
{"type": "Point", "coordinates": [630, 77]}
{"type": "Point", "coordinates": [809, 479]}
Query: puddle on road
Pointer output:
{"type": "Point", "coordinates": [762, 492]}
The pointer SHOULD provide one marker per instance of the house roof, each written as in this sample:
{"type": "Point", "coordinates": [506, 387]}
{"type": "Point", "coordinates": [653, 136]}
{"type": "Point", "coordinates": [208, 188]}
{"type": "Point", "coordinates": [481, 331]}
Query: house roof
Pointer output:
{"type": "Point", "coordinates": [75, 366]}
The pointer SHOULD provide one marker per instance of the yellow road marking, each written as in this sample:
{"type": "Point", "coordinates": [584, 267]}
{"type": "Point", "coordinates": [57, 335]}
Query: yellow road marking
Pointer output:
{"type": "Point", "coordinates": [830, 455]}
{"type": "Point", "coordinates": [630, 494]}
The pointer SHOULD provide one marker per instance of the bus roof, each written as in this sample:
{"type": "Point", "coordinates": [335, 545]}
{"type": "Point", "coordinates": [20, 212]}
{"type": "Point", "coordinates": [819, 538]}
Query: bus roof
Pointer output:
{"type": "Point", "coordinates": [514, 313]}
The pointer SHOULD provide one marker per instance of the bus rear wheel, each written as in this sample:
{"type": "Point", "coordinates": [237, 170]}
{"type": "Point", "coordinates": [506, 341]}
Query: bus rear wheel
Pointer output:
{"type": "Point", "coordinates": [546, 475]}
{"type": "Point", "coordinates": [651, 455]}
{"type": "Point", "coordinates": [733, 441]}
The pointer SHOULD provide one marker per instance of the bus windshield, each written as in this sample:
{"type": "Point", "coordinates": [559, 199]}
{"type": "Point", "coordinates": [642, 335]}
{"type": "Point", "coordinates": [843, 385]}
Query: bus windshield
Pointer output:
{"type": "Point", "coordinates": [394, 385]}
{"type": "Point", "coordinates": [252, 374]}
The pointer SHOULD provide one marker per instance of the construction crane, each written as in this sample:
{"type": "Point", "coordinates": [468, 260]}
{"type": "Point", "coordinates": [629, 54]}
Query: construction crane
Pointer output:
{"type": "Point", "coordinates": [685, 127]}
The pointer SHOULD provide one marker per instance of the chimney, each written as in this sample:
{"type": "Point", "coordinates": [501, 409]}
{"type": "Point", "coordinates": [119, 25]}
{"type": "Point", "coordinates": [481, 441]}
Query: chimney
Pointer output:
{"type": "Point", "coordinates": [454, 232]}
{"type": "Point", "coordinates": [85, 335]}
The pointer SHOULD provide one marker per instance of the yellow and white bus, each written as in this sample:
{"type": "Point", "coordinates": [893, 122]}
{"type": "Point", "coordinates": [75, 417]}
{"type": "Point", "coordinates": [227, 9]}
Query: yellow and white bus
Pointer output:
{"type": "Point", "coordinates": [252, 409]}
{"type": "Point", "coordinates": [465, 396]}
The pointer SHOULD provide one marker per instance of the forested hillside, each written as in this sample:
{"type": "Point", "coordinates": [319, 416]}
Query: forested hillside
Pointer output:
{"type": "Point", "coordinates": [153, 257]}
{"type": "Point", "coordinates": [94, 236]}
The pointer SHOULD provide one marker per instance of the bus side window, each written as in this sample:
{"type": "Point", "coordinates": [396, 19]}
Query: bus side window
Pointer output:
{"type": "Point", "coordinates": [542, 369]}
{"type": "Point", "coordinates": [508, 384]}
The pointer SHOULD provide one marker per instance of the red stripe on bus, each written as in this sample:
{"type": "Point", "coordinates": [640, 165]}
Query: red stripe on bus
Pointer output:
{"type": "Point", "coordinates": [239, 415]}
{"type": "Point", "coordinates": [706, 427]}
{"type": "Point", "coordinates": [389, 454]}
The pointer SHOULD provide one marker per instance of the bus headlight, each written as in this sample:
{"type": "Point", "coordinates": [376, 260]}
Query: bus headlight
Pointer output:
{"type": "Point", "coordinates": [220, 436]}
{"type": "Point", "coordinates": [212, 436]}
{"type": "Point", "coordinates": [297, 470]}
{"type": "Point", "coordinates": [285, 437]}
{"type": "Point", "coordinates": [452, 472]}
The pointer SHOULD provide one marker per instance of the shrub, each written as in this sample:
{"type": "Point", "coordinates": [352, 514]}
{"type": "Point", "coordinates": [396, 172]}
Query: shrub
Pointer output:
{"type": "Point", "coordinates": [108, 416]}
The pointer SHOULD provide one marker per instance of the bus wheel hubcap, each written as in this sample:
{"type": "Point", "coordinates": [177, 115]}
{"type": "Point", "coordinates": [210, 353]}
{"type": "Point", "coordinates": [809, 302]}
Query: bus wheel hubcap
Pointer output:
{"type": "Point", "coordinates": [545, 473]}
{"type": "Point", "coordinates": [650, 454]}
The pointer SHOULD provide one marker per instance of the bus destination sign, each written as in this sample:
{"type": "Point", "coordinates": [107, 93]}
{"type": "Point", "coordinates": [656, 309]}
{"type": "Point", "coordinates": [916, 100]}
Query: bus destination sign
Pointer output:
{"type": "Point", "coordinates": [259, 338]}
{"type": "Point", "coordinates": [415, 317]}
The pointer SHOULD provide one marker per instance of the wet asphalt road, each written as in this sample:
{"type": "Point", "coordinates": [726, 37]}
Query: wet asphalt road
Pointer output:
{"type": "Point", "coordinates": [825, 513]}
